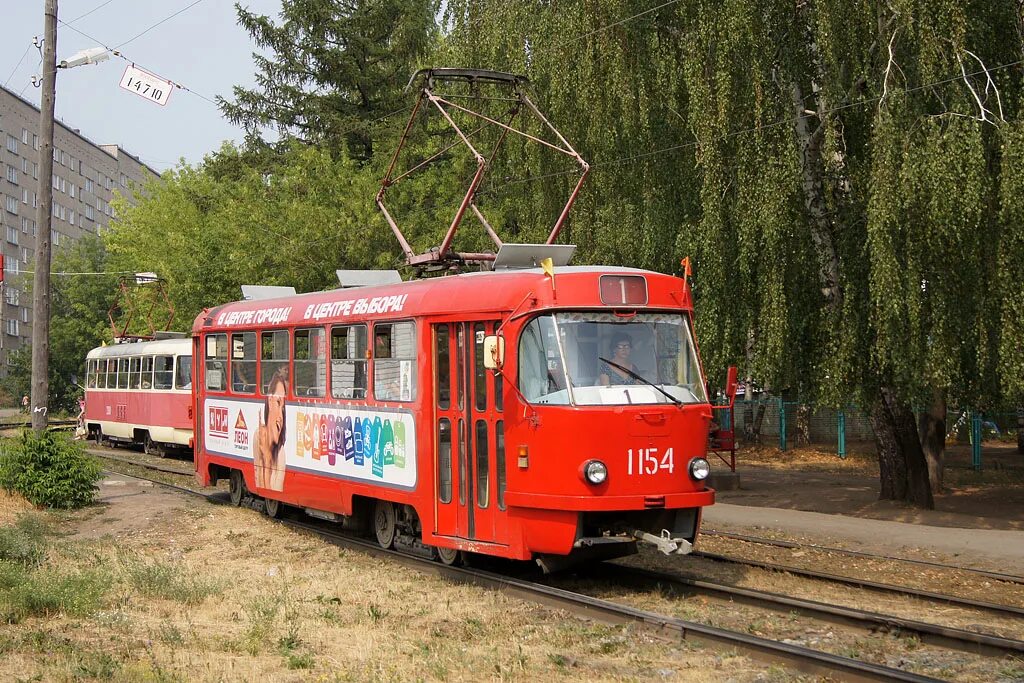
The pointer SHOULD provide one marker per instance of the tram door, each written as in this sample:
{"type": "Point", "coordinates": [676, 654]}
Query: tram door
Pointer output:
{"type": "Point", "coordinates": [470, 466]}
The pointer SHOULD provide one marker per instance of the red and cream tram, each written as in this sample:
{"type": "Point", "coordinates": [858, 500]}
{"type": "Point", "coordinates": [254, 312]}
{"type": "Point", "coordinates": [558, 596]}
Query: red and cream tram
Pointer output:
{"type": "Point", "coordinates": [140, 392]}
{"type": "Point", "coordinates": [378, 406]}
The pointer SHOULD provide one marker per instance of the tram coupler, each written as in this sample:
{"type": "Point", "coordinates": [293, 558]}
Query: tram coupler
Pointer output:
{"type": "Point", "coordinates": [665, 543]}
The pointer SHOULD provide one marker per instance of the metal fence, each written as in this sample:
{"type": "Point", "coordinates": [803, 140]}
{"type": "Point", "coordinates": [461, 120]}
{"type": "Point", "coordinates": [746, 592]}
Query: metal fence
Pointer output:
{"type": "Point", "coordinates": [781, 422]}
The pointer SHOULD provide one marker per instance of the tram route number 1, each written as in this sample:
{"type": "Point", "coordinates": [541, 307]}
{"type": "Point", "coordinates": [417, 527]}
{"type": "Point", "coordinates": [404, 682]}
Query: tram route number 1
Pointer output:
{"type": "Point", "coordinates": [643, 461]}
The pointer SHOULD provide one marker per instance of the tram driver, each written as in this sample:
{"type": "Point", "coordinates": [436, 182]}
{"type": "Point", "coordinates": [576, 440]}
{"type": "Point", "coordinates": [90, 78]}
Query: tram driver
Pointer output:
{"type": "Point", "coordinates": [615, 372]}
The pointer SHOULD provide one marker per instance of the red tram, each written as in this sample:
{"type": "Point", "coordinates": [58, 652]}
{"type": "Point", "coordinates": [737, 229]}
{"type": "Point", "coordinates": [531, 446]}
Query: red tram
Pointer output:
{"type": "Point", "coordinates": [527, 414]}
{"type": "Point", "coordinates": [140, 392]}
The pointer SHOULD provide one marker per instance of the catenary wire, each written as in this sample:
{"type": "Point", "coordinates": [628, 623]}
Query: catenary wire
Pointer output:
{"type": "Point", "coordinates": [165, 19]}
{"type": "Point", "coordinates": [94, 9]}
{"type": "Point", "coordinates": [15, 69]}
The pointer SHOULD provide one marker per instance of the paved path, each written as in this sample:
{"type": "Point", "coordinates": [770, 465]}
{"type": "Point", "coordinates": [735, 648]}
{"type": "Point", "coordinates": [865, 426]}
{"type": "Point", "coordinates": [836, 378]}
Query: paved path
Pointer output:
{"type": "Point", "coordinates": [971, 547]}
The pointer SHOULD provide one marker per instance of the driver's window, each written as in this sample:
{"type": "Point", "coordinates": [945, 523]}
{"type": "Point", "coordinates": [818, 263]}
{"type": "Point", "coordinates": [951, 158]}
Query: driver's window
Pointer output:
{"type": "Point", "coordinates": [540, 365]}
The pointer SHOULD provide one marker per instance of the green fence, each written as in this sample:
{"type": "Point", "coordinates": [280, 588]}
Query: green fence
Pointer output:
{"type": "Point", "coordinates": [788, 421]}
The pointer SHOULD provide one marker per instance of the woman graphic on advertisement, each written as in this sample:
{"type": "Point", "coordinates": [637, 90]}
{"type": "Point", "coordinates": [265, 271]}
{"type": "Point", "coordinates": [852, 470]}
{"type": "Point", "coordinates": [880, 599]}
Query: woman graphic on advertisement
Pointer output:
{"type": "Point", "coordinates": [270, 435]}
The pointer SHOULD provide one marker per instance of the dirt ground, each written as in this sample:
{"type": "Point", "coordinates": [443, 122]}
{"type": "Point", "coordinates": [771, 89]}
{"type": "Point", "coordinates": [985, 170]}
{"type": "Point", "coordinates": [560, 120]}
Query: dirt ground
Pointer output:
{"type": "Point", "coordinates": [817, 480]}
{"type": "Point", "coordinates": [171, 588]}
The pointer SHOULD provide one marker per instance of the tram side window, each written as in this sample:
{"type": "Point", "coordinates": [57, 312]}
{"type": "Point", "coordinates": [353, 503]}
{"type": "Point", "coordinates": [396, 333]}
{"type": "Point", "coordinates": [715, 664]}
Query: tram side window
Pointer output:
{"type": "Point", "coordinates": [443, 366]}
{"type": "Point", "coordinates": [499, 447]}
{"type": "Point", "coordinates": [134, 374]}
{"type": "Point", "coordinates": [348, 361]}
{"type": "Point", "coordinates": [163, 375]}
{"type": "Point", "coordinates": [243, 363]}
{"type": "Point", "coordinates": [310, 362]}
{"type": "Point", "coordinates": [273, 357]}
{"type": "Point", "coordinates": [482, 471]}
{"type": "Point", "coordinates": [444, 460]}
{"type": "Point", "coordinates": [479, 371]}
{"type": "Point", "coordinates": [101, 373]}
{"type": "Point", "coordinates": [183, 372]}
{"type": "Point", "coordinates": [147, 372]}
{"type": "Point", "coordinates": [122, 373]}
{"type": "Point", "coordinates": [394, 365]}
{"type": "Point", "coordinates": [216, 368]}
{"type": "Point", "coordinates": [90, 374]}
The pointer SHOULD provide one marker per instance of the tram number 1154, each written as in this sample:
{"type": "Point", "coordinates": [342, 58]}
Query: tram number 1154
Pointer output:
{"type": "Point", "coordinates": [643, 461]}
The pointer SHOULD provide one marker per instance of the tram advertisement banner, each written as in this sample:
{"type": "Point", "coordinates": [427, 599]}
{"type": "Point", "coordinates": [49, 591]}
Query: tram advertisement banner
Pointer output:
{"type": "Point", "coordinates": [373, 445]}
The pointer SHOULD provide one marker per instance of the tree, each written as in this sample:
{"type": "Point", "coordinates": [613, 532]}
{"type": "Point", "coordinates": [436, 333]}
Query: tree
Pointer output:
{"type": "Point", "coordinates": [290, 220]}
{"type": "Point", "coordinates": [334, 68]}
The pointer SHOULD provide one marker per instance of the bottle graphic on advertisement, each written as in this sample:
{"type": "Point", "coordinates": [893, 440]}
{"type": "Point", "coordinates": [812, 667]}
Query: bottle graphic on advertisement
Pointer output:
{"type": "Point", "coordinates": [387, 443]}
{"type": "Point", "coordinates": [367, 439]}
{"type": "Point", "coordinates": [322, 434]}
{"type": "Point", "coordinates": [375, 446]}
{"type": "Point", "coordinates": [349, 439]}
{"type": "Point", "coordinates": [399, 430]}
{"type": "Point", "coordinates": [307, 434]}
{"type": "Point", "coordinates": [314, 435]}
{"type": "Point", "coordinates": [332, 442]}
{"type": "Point", "coordinates": [301, 420]}
{"type": "Point", "coordinates": [357, 438]}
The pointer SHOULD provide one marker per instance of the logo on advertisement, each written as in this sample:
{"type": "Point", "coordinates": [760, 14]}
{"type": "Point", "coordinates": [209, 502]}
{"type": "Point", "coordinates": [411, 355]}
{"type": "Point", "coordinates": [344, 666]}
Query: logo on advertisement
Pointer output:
{"type": "Point", "coordinates": [241, 431]}
{"type": "Point", "coordinates": [218, 421]}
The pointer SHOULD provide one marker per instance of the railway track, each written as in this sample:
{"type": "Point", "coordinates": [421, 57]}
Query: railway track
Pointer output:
{"type": "Point", "coordinates": [993, 608]}
{"type": "Point", "coordinates": [796, 657]}
{"type": "Point", "coordinates": [760, 540]}
{"type": "Point", "coordinates": [873, 622]}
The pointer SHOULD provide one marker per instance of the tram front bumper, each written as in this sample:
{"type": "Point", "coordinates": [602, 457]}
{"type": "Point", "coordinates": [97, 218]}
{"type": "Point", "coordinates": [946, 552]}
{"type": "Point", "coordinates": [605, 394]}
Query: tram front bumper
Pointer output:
{"type": "Point", "coordinates": [598, 503]}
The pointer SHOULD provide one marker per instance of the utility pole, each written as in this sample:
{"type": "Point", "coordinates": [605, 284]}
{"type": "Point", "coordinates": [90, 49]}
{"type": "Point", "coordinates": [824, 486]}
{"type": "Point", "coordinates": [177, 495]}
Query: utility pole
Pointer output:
{"type": "Point", "coordinates": [41, 282]}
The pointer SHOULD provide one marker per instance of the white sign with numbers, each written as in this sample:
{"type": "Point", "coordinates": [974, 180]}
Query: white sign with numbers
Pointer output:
{"type": "Point", "coordinates": [145, 84]}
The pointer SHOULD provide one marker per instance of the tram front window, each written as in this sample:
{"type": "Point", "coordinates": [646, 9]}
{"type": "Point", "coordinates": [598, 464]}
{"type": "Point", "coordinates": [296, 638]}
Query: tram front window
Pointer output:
{"type": "Point", "coordinates": [593, 358]}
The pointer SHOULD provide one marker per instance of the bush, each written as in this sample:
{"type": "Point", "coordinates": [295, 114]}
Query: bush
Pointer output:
{"type": "Point", "coordinates": [49, 470]}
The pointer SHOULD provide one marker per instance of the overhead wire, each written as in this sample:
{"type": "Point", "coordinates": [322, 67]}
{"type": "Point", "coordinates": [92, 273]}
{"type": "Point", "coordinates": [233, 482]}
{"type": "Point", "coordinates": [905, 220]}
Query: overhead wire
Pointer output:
{"type": "Point", "coordinates": [165, 19]}
{"type": "Point", "coordinates": [15, 69]}
{"type": "Point", "coordinates": [98, 7]}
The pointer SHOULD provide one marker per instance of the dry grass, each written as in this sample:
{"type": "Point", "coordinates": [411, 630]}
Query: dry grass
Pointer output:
{"type": "Point", "coordinates": [810, 458]}
{"type": "Point", "coordinates": [212, 593]}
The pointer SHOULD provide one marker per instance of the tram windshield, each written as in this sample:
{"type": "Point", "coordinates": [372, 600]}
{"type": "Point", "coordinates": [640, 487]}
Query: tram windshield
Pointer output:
{"type": "Point", "coordinates": [594, 358]}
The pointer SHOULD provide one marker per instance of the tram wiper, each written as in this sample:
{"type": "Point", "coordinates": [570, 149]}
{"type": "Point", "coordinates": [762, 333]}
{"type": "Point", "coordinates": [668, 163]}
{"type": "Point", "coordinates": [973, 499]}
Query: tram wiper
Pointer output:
{"type": "Point", "coordinates": [642, 379]}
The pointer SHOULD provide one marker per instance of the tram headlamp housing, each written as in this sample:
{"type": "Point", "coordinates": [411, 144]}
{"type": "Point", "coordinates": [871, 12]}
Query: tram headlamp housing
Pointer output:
{"type": "Point", "coordinates": [595, 472]}
{"type": "Point", "coordinates": [700, 469]}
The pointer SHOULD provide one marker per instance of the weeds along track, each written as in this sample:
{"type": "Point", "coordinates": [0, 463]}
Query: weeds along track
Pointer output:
{"type": "Point", "coordinates": [967, 603]}
{"type": "Point", "coordinates": [761, 540]}
{"type": "Point", "coordinates": [946, 637]}
{"type": "Point", "coordinates": [796, 657]}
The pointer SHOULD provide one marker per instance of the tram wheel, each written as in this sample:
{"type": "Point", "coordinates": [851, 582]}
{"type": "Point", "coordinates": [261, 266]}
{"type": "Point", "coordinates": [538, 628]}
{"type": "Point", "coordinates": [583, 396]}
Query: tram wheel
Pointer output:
{"type": "Point", "coordinates": [384, 523]}
{"type": "Point", "coordinates": [150, 447]}
{"type": "Point", "coordinates": [272, 507]}
{"type": "Point", "coordinates": [449, 556]}
{"type": "Point", "coordinates": [236, 487]}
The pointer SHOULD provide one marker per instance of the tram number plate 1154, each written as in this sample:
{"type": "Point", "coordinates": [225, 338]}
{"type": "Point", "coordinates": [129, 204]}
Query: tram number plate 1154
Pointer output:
{"type": "Point", "coordinates": [643, 461]}
{"type": "Point", "coordinates": [146, 85]}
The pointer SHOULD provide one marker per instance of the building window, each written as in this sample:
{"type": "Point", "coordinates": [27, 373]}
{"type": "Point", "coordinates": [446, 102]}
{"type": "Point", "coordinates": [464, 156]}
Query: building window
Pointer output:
{"type": "Point", "coordinates": [12, 327]}
{"type": "Point", "coordinates": [72, 193]}
{"type": "Point", "coordinates": [88, 185]}
{"type": "Point", "coordinates": [56, 155]}
{"type": "Point", "coordinates": [35, 203]}
{"type": "Point", "coordinates": [11, 204]}
{"type": "Point", "coordinates": [13, 296]}
{"type": "Point", "coordinates": [124, 180]}
{"type": "Point", "coordinates": [24, 135]}
{"type": "Point", "coordinates": [56, 182]}
{"type": "Point", "coordinates": [73, 164]}
{"type": "Point", "coordinates": [12, 234]}
{"type": "Point", "coordinates": [54, 237]}
{"type": "Point", "coordinates": [12, 174]}
{"type": "Point", "coordinates": [25, 255]}
{"type": "Point", "coordinates": [71, 218]}
{"type": "Point", "coordinates": [63, 158]}
{"type": "Point", "coordinates": [24, 196]}
{"type": "Point", "coordinates": [12, 144]}
{"type": "Point", "coordinates": [24, 315]}
{"type": "Point", "coordinates": [35, 170]}
{"type": "Point", "coordinates": [89, 212]}
{"type": "Point", "coordinates": [35, 142]}
{"type": "Point", "coordinates": [26, 225]}
{"type": "Point", "coordinates": [24, 165]}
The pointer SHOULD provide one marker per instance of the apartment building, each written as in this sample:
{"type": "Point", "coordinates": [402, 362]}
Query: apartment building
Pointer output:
{"type": "Point", "coordinates": [86, 178]}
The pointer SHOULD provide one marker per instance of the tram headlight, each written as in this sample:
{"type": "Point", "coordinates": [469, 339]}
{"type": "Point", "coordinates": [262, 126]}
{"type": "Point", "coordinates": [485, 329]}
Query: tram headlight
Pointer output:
{"type": "Point", "coordinates": [700, 469]}
{"type": "Point", "coordinates": [595, 471]}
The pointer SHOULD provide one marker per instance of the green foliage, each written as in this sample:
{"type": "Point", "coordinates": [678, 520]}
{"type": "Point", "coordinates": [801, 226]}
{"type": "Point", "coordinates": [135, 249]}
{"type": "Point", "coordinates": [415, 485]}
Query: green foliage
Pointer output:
{"type": "Point", "coordinates": [49, 470]}
{"type": "Point", "coordinates": [168, 581]}
{"type": "Point", "coordinates": [25, 542]}
{"type": "Point", "coordinates": [43, 592]}
{"type": "Point", "coordinates": [332, 68]}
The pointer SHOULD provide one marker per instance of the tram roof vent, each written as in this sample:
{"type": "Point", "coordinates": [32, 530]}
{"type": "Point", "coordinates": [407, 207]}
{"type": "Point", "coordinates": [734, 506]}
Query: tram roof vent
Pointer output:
{"type": "Point", "coordinates": [367, 278]}
{"type": "Point", "coordinates": [167, 334]}
{"type": "Point", "coordinates": [250, 292]}
{"type": "Point", "coordinates": [519, 256]}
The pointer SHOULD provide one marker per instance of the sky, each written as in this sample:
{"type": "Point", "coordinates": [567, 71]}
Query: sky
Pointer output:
{"type": "Point", "coordinates": [202, 48]}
